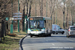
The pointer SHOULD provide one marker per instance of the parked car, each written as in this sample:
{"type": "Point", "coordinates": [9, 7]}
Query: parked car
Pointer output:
{"type": "Point", "coordinates": [70, 31]}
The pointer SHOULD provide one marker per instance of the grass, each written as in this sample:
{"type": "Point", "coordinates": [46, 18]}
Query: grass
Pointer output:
{"type": "Point", "coordinates": [11, 42]}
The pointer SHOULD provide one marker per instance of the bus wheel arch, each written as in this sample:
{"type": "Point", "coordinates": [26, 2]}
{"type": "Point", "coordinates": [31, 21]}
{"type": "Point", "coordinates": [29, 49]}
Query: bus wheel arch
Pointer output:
{"type": "Point", "coordinates": [31, 35]}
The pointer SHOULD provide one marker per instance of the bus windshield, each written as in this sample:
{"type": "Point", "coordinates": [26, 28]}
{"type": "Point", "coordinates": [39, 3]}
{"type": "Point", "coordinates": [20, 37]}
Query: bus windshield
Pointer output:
{"type": "Point", "coordinates": [36, 24]}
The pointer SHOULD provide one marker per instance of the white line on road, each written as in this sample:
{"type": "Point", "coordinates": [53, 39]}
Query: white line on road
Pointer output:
{"type": "Point", "coordinates": [63, 47]}
{"type": "Point", "coordinates": [70, 40]}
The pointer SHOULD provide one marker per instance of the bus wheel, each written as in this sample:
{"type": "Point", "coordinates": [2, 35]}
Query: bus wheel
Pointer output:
{"type": "Point", "coordinates": [56, 33]}
{"type": "Point", "coordinates": [49, 34]}
{"type": "Point", "coordinates": [31, 36]}
{"type": "Point", "coordinates": [63, 32]}
{"type": "Point", "coordinates": [53, 33]}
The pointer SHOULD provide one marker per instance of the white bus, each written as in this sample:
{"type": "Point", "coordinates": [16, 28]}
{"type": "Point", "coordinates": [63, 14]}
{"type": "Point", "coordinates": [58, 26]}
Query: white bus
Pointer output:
{"type": "Point", "coordinates": [36, 26]}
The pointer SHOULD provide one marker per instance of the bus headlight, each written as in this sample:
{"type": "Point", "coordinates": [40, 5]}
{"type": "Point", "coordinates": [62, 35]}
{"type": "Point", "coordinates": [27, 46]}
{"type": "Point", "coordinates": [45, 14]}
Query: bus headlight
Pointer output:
{"type": "Point", "coordinates": [42, 29]}
{"type": "Point", "coordinates": [29, 30]}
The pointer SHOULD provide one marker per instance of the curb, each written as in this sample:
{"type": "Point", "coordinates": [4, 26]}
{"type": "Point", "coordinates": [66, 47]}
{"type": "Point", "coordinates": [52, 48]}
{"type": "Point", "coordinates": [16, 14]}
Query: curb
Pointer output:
{"type": "Point", "coordinates": [20, 42]}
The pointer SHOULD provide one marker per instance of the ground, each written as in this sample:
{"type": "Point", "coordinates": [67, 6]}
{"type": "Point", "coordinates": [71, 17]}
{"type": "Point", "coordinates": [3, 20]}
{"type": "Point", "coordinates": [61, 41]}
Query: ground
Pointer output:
{"type": "Point", "coordinates": [11, 42]}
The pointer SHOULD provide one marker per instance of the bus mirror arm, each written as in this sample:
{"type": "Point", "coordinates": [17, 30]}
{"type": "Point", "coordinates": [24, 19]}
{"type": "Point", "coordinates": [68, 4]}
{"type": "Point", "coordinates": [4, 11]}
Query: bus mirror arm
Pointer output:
{"type": "Point", "coordinates": [45, 21]}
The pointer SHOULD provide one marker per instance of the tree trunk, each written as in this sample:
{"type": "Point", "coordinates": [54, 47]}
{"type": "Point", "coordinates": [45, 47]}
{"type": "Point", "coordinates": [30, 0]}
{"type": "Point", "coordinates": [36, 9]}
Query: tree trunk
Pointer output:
{"type": "Point", "coordinates": [30, 9]}
{"type": "Point", "coordinates": [27, 7]}
{"type": "Point", "coordinates": [41, 7]}
{"type": "Point", "coordinates": [23, 18]}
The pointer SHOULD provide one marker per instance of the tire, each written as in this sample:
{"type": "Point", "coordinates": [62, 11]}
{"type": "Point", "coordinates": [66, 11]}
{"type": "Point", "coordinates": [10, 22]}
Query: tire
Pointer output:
{"type": "Point", "coordinates": [63, 32]}
{"type": "Point", "coordinates": [31, 36]}
{"type": "Point", "coordinates": [49, 34]}
{"type": "Point", "coordinates": [56, 33]}
{"type": "Point", "coordinates": [53, 32]}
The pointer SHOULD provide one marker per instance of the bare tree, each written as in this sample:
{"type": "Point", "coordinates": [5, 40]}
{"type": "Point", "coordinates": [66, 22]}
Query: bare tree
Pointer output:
{"type": "Point", "coordinates": [73, 11]}
{"type": "Point", "coordinates": [41, 7]}
{"type": "Point", "coordinates": [23, 17]}
{"type": "Point", "coordinates": [30, 8]}
{"type": "Point", "coordinates": [3, 14]}
{"type": "Point", "coordinates": [51, 10]}
{"type": "Point", "coordinates": [27, 6]}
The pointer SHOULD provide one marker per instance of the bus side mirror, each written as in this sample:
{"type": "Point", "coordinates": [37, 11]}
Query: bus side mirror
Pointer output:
{"type": "Point", "coordinates": [45, 21]}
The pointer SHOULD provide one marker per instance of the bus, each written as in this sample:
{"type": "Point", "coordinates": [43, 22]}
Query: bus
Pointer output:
{"type": "Point", "coordinates": [36, 26]}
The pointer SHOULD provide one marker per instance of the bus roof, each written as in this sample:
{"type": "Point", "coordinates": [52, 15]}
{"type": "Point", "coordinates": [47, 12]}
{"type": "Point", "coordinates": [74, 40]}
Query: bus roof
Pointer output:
{"type": "Point", "coordinates": [46, 18]}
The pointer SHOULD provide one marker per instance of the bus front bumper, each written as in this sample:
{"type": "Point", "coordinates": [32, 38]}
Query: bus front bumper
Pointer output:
{"type": "Point", "coordinates": [36, 32]}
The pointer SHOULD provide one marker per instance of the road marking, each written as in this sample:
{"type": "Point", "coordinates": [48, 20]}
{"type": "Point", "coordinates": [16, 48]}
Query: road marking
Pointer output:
{"type": "Point", "coordinates": [53, 44]}
{"type": "Point", "coordinates": [63, 47]}
{"type": "Point", "coordinates": [70, 40]}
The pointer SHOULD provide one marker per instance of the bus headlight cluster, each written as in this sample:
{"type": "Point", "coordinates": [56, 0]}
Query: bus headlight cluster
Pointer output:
{"type": "Point", "coordinates": [42, 29]}
{"type": "Point", "coordinates": [29, 30]}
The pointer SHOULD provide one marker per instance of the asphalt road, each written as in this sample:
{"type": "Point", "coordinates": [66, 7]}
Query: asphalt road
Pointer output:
{"type": "Point", "coordinates": [55, 42]}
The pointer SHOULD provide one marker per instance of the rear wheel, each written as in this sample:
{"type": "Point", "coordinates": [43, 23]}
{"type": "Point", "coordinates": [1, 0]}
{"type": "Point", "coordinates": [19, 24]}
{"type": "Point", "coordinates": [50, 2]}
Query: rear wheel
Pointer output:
{"type": "Point", "coordinates": [56, 33]}
{"type": "Point", "coordinates": [53, 32]}
{"type": "Point", "coordinates": [63, 32]}
{"type": "Point", "coordinates": [49, 34]}
{"type": "Point", "coordinates": [31, 36]}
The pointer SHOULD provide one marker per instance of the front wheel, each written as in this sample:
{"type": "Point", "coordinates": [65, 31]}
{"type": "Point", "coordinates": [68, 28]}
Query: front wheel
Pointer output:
{"type": "Point", "coordinates": [53, 32]}
{"type": "Point", "coordinates": [56, 33]}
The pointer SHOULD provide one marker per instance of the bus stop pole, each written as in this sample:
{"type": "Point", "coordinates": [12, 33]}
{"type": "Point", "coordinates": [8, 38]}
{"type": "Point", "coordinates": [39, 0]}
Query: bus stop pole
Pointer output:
{"type": "Point", "coordinates": [11, 25]}
{"type": "Point", "coordinates": [25, 23]}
